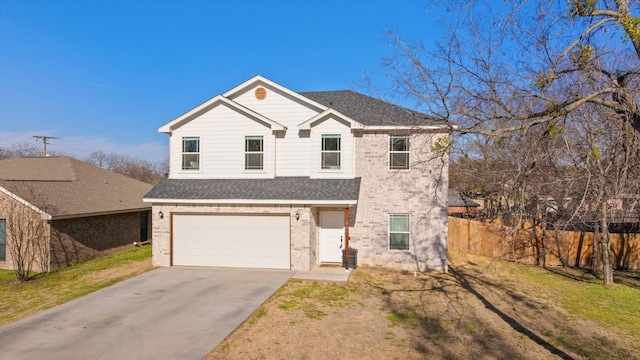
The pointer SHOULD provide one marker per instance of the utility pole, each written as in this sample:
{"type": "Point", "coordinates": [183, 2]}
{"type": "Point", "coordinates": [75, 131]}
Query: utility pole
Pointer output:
{"type": "Point", "coordinates": [44, 142]}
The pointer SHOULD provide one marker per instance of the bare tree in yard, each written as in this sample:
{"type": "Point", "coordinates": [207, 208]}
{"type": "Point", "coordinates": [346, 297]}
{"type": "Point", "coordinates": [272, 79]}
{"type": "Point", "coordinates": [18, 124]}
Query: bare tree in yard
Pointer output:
{"type": "Point", "coordinates": [611, 158]}
{"type": "Point", "coordinates": [513, 63]}
{"type": "Point", "coordinates": [142, 170]}
{"type": "Point", "coordinates": [521, 74]}
{"type": "Point", "coordinates": [27, 243]}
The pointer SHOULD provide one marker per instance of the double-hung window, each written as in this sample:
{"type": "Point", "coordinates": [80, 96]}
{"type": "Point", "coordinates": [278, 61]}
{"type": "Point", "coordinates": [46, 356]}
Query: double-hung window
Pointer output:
{"type": "Point", "coordinates": [330, 155]}
{"type": "Point", "coordinates": [399, 232]}
{"type": "Point", "coordinates": [191, 153]}
{"type": "Point", "coordinates": [398, 152]}
{"type": "Point", "coordinates": [3, 240]}
{"type": "Point", "coordinates": [253, 153]}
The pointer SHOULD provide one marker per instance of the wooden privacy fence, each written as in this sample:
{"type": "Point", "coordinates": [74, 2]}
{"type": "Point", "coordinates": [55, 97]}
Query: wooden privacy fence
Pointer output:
{"type": "Point", "coordinates": [532, 245]}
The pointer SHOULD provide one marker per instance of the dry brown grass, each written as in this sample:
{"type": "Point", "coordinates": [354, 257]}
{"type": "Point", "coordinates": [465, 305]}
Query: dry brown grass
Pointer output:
{"type": "Point", "coordinates": [480, 310]}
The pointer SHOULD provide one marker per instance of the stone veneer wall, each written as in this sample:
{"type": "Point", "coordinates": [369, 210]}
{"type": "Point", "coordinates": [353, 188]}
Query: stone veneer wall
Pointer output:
{"type": "Point", "coordinates": [74, 240]}
{"type": "Point", "coordinates": [303, 249]}
{"type": "Point", "coordinates": [420, 192]}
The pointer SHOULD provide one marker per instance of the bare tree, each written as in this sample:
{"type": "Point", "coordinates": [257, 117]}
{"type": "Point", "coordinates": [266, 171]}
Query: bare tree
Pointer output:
{"type": "Point", "coordinates": [21, 149]}
{"type": "Point", "coordinates": [524, 77]}
{"type": "Point", "coordinates": [142, 170]}
{"type": "Point", "coordinates": [510, 66]}
{"type": "Point", "coordinates": [26, 235]}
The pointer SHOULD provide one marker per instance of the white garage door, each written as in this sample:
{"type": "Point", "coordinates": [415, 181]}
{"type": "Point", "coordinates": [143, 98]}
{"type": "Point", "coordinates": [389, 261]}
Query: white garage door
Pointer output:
{"type": "Point", "coordinates": [255, 241]}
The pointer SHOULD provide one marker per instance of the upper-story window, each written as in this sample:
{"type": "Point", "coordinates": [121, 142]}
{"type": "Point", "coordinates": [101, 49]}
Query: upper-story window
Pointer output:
{"type": "Point", "coordinates": [253, 153]}
{"type": "Point", "coordinates": [191, 153]}
{"type": "Point", "coordinates": [330, 155]}
{"type": "Point", "coordinates": [398, 152]}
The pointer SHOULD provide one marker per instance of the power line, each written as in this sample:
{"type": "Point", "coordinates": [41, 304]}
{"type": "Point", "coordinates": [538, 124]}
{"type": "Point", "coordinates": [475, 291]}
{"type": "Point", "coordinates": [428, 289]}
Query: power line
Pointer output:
{"type": "Point", "coordinates": [44, 142]}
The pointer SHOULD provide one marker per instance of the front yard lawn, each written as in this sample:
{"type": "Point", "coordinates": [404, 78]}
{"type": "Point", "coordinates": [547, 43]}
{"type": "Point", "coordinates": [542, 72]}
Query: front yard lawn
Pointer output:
{"type": "Point", "coordinates": [481, 309]}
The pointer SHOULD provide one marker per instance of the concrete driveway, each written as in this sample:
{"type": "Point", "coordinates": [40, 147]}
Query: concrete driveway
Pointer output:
{"type": "Point", "coordinates": [167, 313]}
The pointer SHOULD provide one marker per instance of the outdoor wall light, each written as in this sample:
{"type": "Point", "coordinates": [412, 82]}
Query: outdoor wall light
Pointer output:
{"type": "Point", "coordinates": [160, 214]}
{"type": "Point", "coordinates": [297, 216]}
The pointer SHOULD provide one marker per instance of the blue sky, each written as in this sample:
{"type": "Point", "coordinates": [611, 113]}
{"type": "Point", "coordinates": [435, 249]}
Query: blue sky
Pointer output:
{"type": "Point", "coordinates": [104, 75]}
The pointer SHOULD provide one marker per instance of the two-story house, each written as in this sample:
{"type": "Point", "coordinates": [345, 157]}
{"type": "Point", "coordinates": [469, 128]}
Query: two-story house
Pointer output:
{"type": "Point", "coordinates": [262, 176]}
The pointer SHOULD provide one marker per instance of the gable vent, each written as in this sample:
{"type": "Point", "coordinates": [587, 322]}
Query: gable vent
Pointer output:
{"type": "Point", "coordinates": [261, 93]}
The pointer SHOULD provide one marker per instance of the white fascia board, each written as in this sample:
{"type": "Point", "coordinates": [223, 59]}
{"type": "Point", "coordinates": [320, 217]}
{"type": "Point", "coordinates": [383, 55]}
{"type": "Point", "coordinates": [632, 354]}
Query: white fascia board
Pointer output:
{"type": "Point", "coordinates": [409, 127]}
{"type": "Point", "coordinates": [170, 126]}
{"type": "Point", "coordinates": [306, 125]}
{"type": "Point", "coordinates": [43, 214]}
{"type": "Point", "coordinates": [261, 79]}
{"type": "Point", "coordinates": [252, 201]}
{"type": "Point", "coordinates": [102, 213]}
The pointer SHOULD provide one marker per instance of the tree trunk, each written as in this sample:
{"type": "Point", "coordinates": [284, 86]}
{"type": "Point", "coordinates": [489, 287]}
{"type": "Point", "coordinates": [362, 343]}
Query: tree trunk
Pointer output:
{"type": "Point", "coordinates": [607, 266]}
{"type": "Point", "coordinates": [594, 250]}
{"type": "Point", "coordinates": [579, 252]}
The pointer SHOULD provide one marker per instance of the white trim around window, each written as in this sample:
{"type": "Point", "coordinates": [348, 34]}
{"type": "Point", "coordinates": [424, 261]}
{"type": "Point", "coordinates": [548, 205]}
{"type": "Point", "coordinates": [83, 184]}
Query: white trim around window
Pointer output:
{"type": "Point", "coordinates": [399, 232]}
{"type": "Point", "coordinates": [399, 154]}
{"type": "Point", "coordinates": [254, 152]}
{"type": "Point", "coordinates": [330, 152]}
{"type": "Point", "coordinates": [191, 153]}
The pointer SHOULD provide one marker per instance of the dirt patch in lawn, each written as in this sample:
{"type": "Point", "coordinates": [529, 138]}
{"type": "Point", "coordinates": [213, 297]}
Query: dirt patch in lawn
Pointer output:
{"type": "Point", "coordinates": [476, 311]}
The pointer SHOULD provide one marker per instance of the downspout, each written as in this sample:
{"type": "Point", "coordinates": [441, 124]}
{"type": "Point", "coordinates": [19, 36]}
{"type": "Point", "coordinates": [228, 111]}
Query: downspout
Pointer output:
{"type": "Point", "coordinates": [346, 237]}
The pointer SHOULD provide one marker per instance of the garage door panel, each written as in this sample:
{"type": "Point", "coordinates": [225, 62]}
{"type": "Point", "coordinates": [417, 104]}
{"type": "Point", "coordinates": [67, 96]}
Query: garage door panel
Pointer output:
{"type": "Point", "coordinates": [257, 241]}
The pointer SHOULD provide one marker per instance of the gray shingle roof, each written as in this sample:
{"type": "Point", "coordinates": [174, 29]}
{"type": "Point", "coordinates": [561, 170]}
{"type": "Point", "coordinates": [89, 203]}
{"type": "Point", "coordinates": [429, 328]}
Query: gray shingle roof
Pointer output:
{"type": "Point", "coordinates": [368, 110]}
{"type": "Point", "coordinates": [280, 188]}
{"type": "Point", "coordinates": [66, 187]}
{"type": "Point", "coordinates": [457, 199]}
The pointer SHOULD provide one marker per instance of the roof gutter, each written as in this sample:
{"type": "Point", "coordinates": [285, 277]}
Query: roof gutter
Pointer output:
{"type": "Point", "coordinates": [101, 213]}
{"type": "Point", "coordinates": [253, 201]}
{"type": "Point", "coordinates": [410, 127]}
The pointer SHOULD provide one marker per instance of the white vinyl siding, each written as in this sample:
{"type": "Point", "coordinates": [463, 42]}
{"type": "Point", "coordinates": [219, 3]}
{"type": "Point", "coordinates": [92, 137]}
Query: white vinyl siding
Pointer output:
{"type": "Point", "coordinates": [292, 157]}
{"type": "Point", "coordinates": [278, 107]}
{"type": "Point", "coordinates": [222, 134]}
{"type": "Point", "coordinates": [252, 241]}
{"type": "Point", "coordinates": [222, 131]}
{"type": "Point", "coordinates": [332, 127]}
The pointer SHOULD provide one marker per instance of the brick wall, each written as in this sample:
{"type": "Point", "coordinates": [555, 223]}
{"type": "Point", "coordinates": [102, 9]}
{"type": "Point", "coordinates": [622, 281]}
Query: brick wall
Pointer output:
{"type": "Point", "coordinates": [30, 224]}
{"type": "Point", "coordinates": [420, 192]}
{"type": "Point", "coordinates": [303, 244]}
{"type": "Point", "coordinates": [74, 240]}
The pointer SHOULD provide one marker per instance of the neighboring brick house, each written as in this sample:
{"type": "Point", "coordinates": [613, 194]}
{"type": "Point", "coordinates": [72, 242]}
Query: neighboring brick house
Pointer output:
{"type": "Point", "coordinates": [262, 176]}
{"type": "Point", "coordinates": [461, 205]}
{"type": "Point", "coordinates": [77, 210]}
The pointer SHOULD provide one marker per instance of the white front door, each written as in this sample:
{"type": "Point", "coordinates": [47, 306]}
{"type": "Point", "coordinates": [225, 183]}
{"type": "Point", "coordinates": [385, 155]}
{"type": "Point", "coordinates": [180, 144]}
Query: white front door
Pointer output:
{"type": "Point", "coordinates": [331, 236]}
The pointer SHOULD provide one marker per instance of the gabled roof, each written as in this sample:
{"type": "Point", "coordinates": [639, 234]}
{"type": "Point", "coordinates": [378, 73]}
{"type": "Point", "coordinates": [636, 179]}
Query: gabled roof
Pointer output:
{"type": "Point", "coordinates": [210, 104]}
{"type": "Point", "coordinates": [289, 190]}
{"type": "Point", "coordinates": [260, 80]}
{"type": "Point", "coordinates": [306, 125]}
{"type": "Point", "coordinates": [64, 187]}
{"type": "Point", "coordinates": [370, 111]}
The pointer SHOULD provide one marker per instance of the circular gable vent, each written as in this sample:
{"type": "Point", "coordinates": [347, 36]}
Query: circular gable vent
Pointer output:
{"type": "Point", "coordinates": [261, 93]}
